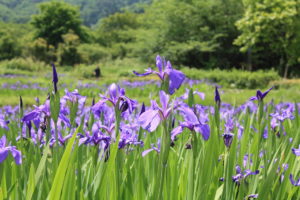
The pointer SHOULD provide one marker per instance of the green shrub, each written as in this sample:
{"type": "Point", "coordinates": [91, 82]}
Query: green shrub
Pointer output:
{"type": "Point", "coordinates": [39, 50]}
{"type": "Point", "coordinates": [9, 47]}
{"type": "Point", "coordinates": [234, 78]}
{"type": "Point", "coordinates": [92, 53]}
{"type": "Point", "coordinates": [67, 51]}
{"type": "Point", "coordinates": [23, 64]}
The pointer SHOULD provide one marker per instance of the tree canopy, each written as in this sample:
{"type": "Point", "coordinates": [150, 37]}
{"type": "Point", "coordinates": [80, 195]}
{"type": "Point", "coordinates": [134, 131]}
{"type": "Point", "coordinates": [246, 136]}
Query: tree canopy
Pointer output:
{"type": "Point", "coordinates": [56, 19]}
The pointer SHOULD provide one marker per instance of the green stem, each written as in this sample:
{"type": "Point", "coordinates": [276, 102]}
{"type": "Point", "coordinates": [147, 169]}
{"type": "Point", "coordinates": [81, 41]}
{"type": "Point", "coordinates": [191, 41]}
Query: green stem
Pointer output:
{"type": "Point", "coordinates": [119, 156]}
{"type": "Point", "coordinates": [56, 133]}
{"type": "Point", "coordinates": [191, 174]}
{"type": "Point", "coordinates": [164, 154]}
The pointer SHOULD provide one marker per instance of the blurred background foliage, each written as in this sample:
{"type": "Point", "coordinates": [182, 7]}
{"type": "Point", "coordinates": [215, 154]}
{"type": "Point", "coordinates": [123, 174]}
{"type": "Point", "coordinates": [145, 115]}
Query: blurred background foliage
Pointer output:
{"type": "Point", "coordinates": [215, 35]}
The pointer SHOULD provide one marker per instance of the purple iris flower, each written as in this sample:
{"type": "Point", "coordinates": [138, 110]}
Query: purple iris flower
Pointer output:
{"type": "Point", "coordinates": [153, 148]}
{"type": "Point", "coordinates": [191, 122]}
{"type": "Point", "coordinates": [73, 96]}
{"type": "Point", "coordinates": [242, 174]}
{"type": "Point", "coordinates": [97, 138]}
{"type": "Point", "coordinates": [55, 77]}
{"type": "Point", "coordinates": [45, 109]}
{"type": "Point", "coordinates": [282, 115]}
{"type": "Point", "coordinates": [186, 94]}
{"type": "Point", "coordinates": [151, 118]}
{"type": "Point", "coordinates": [165, 71]}
{"type": "Point", "coordinates": [128, 138]}
{"type": "Point", "coordinates": [294, 182]}
{"type": "Point", "coordinates": [116, 95]}
{"type": "Point", "coordinates": [4, 150]}
{"type": "Point", "coordinates": [296, 151]}
{"type": "Point", "coordinates": [3, 123]}
{"type": "Point", "coordinates": [61, 139]}
{"type": "Point", "coordinates": [260, 95]}
{"type": "Point", "coordinates": [284, 167]}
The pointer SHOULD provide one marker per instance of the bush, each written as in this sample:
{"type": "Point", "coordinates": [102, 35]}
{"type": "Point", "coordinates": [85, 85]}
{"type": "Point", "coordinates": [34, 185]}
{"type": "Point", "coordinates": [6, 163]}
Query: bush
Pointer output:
{"type": "Point", "coordinates": [234, 78]}
{"type": "Point", "coordinates": [9, 47]}
{"type": "Point", "coordinates": [67, 51]}
{"type": "Point", "coordinates": [92, 53]}
{"type": "Point", "coordinates": [24, 64]}
{"type": "Point", "coordinates": [41, 51]}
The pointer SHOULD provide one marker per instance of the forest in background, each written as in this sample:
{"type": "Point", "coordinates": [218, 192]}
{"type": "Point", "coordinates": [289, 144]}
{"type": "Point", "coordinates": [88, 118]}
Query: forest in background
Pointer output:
{"type": "Point", "coordinates": [20, 11]}
{"type": "Point", "coordinates": [204, 34]}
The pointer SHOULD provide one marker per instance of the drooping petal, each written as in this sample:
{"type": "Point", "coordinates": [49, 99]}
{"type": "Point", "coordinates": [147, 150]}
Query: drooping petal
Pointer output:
{"type": "Point", "coordinates": [64, 119]}
{"type": "Point", "coordinates": [253, 98]}
{"type": "Point", "coordinates": [204, 130]}
{"type": "Point", "coordinates": [248, 173]}
{"type": "Point", "coordinates": [296, 151]}
{"type": "Point", "coordinates": [154, 123]}
{"type": "Point", "coordinates": [148, 72]}
{"type": "Point", "coordinates": [17, 155]}
{"type": "Point", "coordinates": [4, 123]}
{"type": "Point", "coordinates": [3, 154]}
{"type": "Point", "coordinates": [98, 107]}
{"type": "Point", "coordinates": [30, 116]}
{"type": "Point", "coordinates": [189, 114]}
{"type": "Point", "coordinates": [176, 131]}
{"type": "Point", "coordinates": [149, 120]}
{"type": "Point", "coordinates": [294, 182]}
{"type": "Point", "coordinates": [146, 152]}
{"type": "Point", "coordinates": [188, 125]}
{"type": "Point", "coordinates": [200, 94]}
{"type": "Point", "coordinates": [3, 141]}
{"type": "Point", "coordinates": [252, 196]}
{"type": "Point", "coordinates": [176, 78]}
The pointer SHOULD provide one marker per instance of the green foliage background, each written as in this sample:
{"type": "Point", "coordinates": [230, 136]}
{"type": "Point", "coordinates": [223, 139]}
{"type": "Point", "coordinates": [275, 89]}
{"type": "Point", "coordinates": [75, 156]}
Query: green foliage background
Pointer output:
{"type": "Point", "coordinates": [204, 34]}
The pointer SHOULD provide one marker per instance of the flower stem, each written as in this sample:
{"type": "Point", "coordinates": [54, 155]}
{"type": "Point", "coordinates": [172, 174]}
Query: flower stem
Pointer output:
{"type": "Point", "coordinates": [192, 161]}
{"type": "Point", "coordinates": [165, 148]}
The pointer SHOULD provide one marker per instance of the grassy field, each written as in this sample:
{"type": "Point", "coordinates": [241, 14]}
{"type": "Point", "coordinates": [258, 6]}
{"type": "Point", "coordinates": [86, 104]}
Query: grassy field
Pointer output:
{"type": "Point", "coordinates": [37, 83]}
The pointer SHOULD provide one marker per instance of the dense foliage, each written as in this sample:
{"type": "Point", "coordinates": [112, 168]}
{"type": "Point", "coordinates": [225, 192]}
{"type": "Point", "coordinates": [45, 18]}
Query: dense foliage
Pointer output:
{"type": "Point", "coordinates": [20, 11]}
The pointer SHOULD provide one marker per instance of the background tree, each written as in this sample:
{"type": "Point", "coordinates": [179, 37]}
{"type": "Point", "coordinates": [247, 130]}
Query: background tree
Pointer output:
{"type": "Point", "coordinates": [271, 26]}
{"type": "Point", "coordinates": [55, 20]}
{"type": "Point", "coordinates": [192, 33]}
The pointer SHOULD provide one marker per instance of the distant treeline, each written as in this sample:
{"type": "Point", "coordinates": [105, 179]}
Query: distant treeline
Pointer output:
{"type": "Point", "coordinates": [20, 11]}
{"type": "Point", "coordinates": [224, 34]}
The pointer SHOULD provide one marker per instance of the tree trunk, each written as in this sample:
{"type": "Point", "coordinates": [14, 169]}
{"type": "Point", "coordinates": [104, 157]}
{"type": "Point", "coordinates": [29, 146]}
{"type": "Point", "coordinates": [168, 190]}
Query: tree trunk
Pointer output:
{"type": "Point", "coordinates": [249, 59]}
{"type": "Point", "coordinates": [286, 70]}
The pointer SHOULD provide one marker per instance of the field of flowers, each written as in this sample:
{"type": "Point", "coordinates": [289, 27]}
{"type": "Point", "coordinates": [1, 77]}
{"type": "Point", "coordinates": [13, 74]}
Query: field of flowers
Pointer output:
{"type": "Point", "coordinates": [175, 148]}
